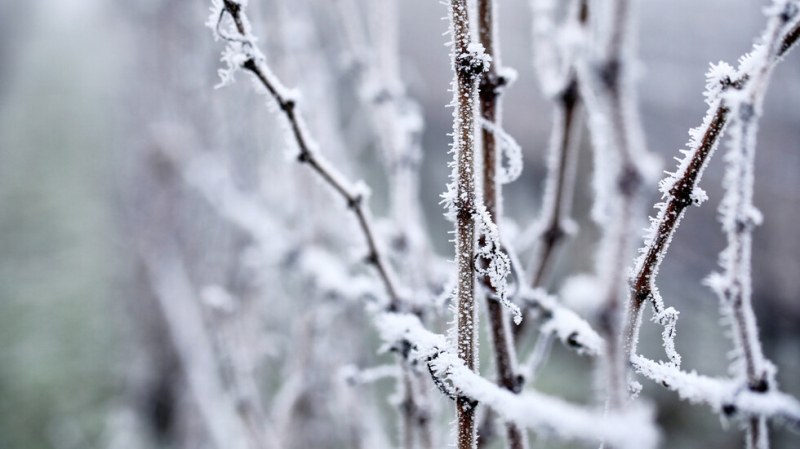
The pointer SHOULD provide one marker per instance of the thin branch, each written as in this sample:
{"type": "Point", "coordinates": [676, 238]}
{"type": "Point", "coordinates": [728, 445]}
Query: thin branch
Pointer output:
{"type": "Point", "coordinates": [252, 61]}
{"type": "Point", "coordinates": [680, 190]}
{"type": "Point", "coordinates": [558, 79]}
{"type": "Point", "coordinates": [491, 84]}
{"type": "Point", "coordinates": [739, 216]}
{"type": "Point", "coordinates": [620, 170]}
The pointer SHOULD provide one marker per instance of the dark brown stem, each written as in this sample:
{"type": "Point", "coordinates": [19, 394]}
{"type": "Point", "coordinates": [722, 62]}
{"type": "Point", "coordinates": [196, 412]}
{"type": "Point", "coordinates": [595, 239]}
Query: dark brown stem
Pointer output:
{"type": "Point", "coordinates": [678, 198]}
{"type": "Point", "coordinates": [467, 69]}
{"type": "Point", "coordinates": [554, 228]}
{"type": "Point", "coordinates": [490, 91]}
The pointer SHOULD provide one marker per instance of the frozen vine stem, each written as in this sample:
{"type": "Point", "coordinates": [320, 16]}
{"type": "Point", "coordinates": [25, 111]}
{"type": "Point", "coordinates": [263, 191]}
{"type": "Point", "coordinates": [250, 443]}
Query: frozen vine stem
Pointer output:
{"type": "Point", "coordinates": [468, 61]}
{"type": "Point", "coordinates": [679, 190]}
{"type": "Point", "coordinates": [620, 169]}
{"type": "Point", "coordinates": [242, 53]}
{"type": "Point", "coordinates": [558, 79]}
{"type": "Point", "coordinates": [491, 84]}
{"type": "Point", "coordinates": [739, 216]}
{"type": "Point", "coordinates": [555, 67]}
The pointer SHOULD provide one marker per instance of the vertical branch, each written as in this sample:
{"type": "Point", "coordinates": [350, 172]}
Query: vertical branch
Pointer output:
{"type": "Point", "coordinates": [619, 173]}
{"type": "Point", "coordinates": [468, 62]}
{"type": "Point", "coordinates": [491, 85]}
{"type": "Point", "coordinates": [739, 216]}
{"type": "Point", "coordinates": [558, 78]}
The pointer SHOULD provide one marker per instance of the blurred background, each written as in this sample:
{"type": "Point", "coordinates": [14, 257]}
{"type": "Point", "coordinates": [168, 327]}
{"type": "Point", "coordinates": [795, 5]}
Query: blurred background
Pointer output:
{"type": "Point", "coordinates": [119, 162]}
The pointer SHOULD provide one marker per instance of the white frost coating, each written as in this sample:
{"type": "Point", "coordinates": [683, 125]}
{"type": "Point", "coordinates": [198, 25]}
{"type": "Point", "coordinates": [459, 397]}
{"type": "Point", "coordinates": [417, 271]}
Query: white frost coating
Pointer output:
{"type": "Point", "coordinates": [219, 299]}
{"type": "Point", "coordinates": [668, 319]}
{"type": "Point", "coordinates": [737, 213]}
{"type": "Point", "coordinates": [492, 262]}
{"type": "Point", "coordinates": [508, 148]}
{"type": "Point", "coordinates": [571, 329]}
{"type": "Point", "coordinates": [476, 52]}
{"type": "Point", "coordinates": [356, 376]}
{"type": "Point", "coordinates": [722, 395]}
{"type": "Point", "coordinates": [631, 429]}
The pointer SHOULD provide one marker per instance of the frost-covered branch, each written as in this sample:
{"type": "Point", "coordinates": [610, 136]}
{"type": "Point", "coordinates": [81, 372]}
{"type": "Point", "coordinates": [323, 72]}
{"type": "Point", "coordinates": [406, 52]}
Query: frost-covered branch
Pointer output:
{"type": "Point", "coordinates": [468, 62]}
{"type": "Point", "coordinates": [729, 397]}
{"type": "Point", "coordinates": [558, 79]}
{"type": "Point", "coordinates": [621, 167]}
{"type": "Point", "coordinates": [554, 61]}
{"type": "Point", "coordinates": [739, 216]}
{"type": "Point", "coordinates": [395, 117]}
{"type": "Point", "coordinates": [680, 189]}
{"type": "Point", "coordinates": [241, 53]}
{"type": "Point", "coordinates": [632, 428]}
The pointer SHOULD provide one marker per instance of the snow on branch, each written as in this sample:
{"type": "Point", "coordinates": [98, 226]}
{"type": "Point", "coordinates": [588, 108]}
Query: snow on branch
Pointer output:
{"type": "Point", "coordinates": [729, 397]}
{"type": "Point", "coordinates": [242, 53]}
{"type": "Point", "coordinates": [572, 330]}
{"type": "Point", "coordinates": [632, 428]}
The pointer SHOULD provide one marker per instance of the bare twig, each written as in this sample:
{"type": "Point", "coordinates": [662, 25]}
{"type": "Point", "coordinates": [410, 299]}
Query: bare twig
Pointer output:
{"type": "Point", "coordinates": [252, 61]}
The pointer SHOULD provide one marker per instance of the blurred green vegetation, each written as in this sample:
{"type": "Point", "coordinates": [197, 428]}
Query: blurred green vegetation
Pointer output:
{"type": "Point", "coordinates": [56, 265]}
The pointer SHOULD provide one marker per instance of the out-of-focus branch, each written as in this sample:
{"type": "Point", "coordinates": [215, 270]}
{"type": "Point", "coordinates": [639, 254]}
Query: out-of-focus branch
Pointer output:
{"type": "Point", "coordinates": [250, 59]}
{"type": "Point", "coordinates": [739, 216]}
{"type": "Point", "coordinates": [227, 424]}
{"type": "Point", "coordinates": [620, 169]}
{"type": "Point", "coordinates": [557, 76]}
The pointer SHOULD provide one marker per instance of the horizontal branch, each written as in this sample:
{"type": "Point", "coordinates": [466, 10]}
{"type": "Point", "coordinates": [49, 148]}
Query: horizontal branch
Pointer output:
{"type": "Point", "coordinates": [558, 320]}
{"type": "Point", "coordinates": [632, 428]}
{"type": "Point", "coordinates": [726, 396]}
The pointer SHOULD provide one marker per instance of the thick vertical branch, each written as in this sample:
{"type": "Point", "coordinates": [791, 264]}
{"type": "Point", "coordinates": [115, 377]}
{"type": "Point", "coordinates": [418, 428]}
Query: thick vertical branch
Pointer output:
{"type": "Point", "coordinates": [490, 91]}
{"type": "Point", "coordinates": [468, 63]}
